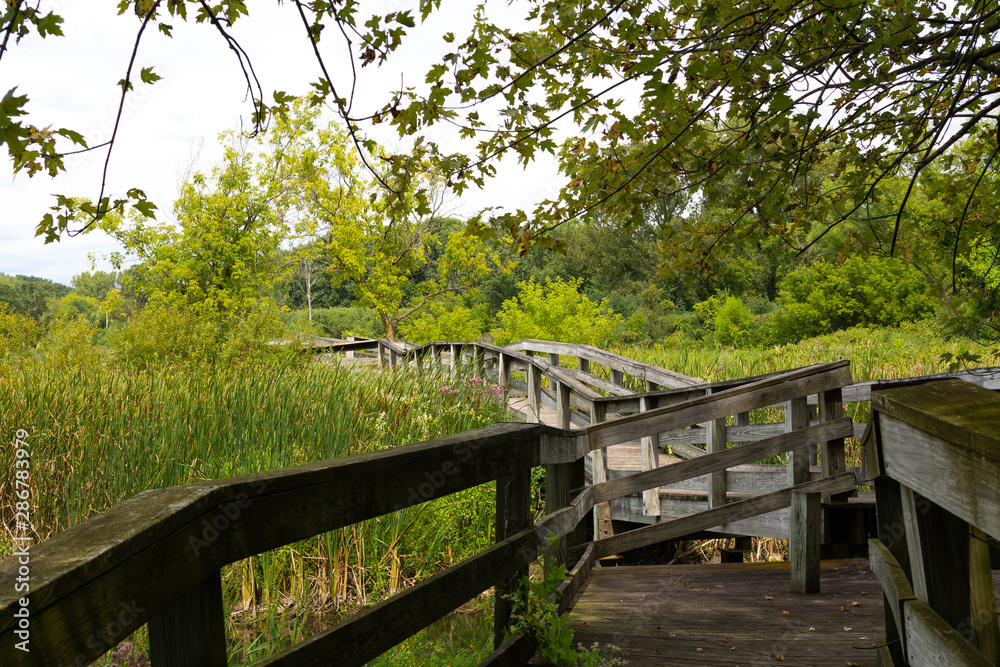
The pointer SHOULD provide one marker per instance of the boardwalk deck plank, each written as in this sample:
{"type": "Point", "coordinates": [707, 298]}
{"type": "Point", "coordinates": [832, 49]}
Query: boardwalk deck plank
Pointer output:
{"type": "Point", "coordinates": [722, 609]}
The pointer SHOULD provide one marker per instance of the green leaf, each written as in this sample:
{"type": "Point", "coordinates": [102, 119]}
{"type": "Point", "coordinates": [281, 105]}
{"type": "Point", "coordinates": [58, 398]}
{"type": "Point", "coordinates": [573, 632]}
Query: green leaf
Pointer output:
{"type": "Point", "coordinates": [148, 75]}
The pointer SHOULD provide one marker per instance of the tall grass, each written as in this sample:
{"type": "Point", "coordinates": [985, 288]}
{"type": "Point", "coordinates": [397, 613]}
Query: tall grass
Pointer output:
{"type": "Point", "coordinates": [99, 435]}
{"type": "Point", "coordinates": [875, 354]}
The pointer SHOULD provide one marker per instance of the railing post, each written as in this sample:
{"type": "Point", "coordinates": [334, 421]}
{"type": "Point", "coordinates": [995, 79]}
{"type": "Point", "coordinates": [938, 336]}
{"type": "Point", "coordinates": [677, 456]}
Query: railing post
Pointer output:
{"type": "Point", "coordinates": [583, 364]}
{"type": "Point", "coordinates": [381, 354]}
{"type": "Point", "coordinates": [599, 473]}
{"type": "Point", "coordinates": [803, 541]}
{"type": "Point", "coordinates": [832, 454]}
{"type": "Point", "coordinates": [796, 417]}
{"type": "Point", "coordinates": [478, 361]}
{"type": "Point", "coordinates": [650, 461]}
{"type": "Point", "coordinates": [618, 377]}
{"type": "Point", "coordinates": [350, 353]}
{"type": "Point", "coordinates": [554, 359]}
{"type": "Point", "coordinates": [557, 475]}
{"type": "Point", "coordinates": [503, 379]}
{"type": "Point", "coordinates": [513, 514]}
{"type": "Point", "coordinates": [456, 359]}
{"type": "Point", "coordinates": [534, 394]}
{"type": "Point", "coordinates": [191, 631]}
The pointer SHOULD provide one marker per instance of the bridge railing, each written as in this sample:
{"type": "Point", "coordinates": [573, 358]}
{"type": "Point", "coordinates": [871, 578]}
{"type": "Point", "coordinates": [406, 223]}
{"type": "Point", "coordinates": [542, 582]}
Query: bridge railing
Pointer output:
{"type": "Point", "coordinates": [934, 451]}
{"type": "Point", "coordinates": [581, 395]}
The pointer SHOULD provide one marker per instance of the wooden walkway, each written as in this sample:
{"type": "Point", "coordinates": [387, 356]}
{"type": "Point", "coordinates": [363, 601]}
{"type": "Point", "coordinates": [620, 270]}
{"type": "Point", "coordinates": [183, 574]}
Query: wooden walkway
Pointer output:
{"type": "Point", "coordinates": [732, 614]}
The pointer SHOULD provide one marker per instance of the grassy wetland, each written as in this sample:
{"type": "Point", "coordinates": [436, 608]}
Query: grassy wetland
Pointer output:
{"type": "Point", "coordinates": [101, 434]}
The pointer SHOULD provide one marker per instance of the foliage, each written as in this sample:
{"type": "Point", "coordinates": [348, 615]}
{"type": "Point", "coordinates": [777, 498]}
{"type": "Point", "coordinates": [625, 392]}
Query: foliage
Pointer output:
{"type": "Point", "coordinates": [394, 248]}
{"type": "Point", "coordinates": [734, 323]}
{"type": "Point", "coordinates": [556, 311]}
{"type": "Point", "coordinates": [220, 257]}
{"type": "Point", "coordinates": [661, 98]}
{"type": "Point", "coordinates": [447, 321]}
{"type": "Point", "coordinates": [341, 322]}
{"type": "Point", "coordinates": [96, 285]}
{"type": "Point", "coordinates": [29, 295]}
{"type": "Point", "coordinates": [821, 298]}
{"type": "Point", "coordinates": [18, 333]}
{"type": "Point", "coordinates": [162, 336]}
{"type": "Point", "coordinates": [74, 305]}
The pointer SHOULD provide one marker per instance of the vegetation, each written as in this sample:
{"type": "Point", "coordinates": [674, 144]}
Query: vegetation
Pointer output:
{"type": "Point", "coordinates": [102, 433]}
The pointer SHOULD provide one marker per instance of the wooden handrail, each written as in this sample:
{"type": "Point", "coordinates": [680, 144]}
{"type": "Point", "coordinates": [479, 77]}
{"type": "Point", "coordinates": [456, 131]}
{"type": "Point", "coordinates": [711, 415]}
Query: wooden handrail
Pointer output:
{"type": "Point", "coordinates": [934, 449]}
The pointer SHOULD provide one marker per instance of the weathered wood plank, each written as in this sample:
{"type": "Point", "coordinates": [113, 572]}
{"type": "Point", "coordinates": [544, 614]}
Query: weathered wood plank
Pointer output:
{"type": "Point", "coordinates": [895, 586]}
{"type": "Point", "coordinates": [720, 461]}
{"type": "Point", "coordinates": [374, 630]}
{"type": "Point", "coordinates": [983, 601]}
{"type": "Point", "coordinates": [513, 514]}
{"type": "Point", "coordinates": [515, 652]}
{"type": "Point", "coordinates": [650, 461]}
{"type": "Point", "coordinates": [796, 418]}
{"type": "Point", "coordinates": [663, 614]}
{"type": "Point", "coordinates": [952, 410]}
{"type": "Point", "coordinates": [191, 632]}
{"type": "Point", "coordinates": [931, 642]}
{"type": "Point", "coordinates": [731, 401]}
{"type": "Point", "coordinates": [715, 437]}
{"type": "Point", "coordinates": [804, 540]}
{"type": "Point", "coordinates": [960, 476]}
{"type": "Point", "coordinates": [661, 376]}
{"type": "Point", "coordinates": [669, 530]}
{"type": "Point", "coordinates": [599, 473]}
{"type": "Point", "coordinates": [576, 580]}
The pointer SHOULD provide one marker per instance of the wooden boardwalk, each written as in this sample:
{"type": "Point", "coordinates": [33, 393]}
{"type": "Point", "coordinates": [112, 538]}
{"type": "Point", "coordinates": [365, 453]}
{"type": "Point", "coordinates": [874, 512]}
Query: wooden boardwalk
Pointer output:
{"type": "Point", "coordinates": [732, 614]}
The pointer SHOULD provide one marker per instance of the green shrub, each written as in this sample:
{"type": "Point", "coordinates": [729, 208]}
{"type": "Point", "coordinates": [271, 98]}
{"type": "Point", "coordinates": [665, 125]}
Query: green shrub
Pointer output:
{"type": "Point", "coordinates": [341, 322]}
{"type": "Point", "coordinates": [18, 333]}
{"type": "Point", "coordinates": [863, 291]}
{"type": "Point", "coordinates": [734, 323]}
{"type": "Point", "coordinates": [557, 312]}
{"type": "Point", "coordinates": [445, 321]}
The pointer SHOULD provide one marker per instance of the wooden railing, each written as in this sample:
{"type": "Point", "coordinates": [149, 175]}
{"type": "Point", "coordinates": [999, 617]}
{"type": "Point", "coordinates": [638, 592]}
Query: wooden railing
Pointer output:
{"type": "Point", "coordinates": [156, 558]}
{"type": "Point", "coordinates": [602, 386]}
{"type": "Point", "coordinates": [934, 451]}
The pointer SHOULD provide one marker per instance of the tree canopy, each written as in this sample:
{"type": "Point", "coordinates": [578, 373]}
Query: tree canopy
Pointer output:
{"type": "Point", "coordinates": [810, 107]}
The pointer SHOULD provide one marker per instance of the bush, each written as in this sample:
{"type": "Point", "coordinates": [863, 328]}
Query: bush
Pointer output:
{"type": "Point", "coordinates": [18, 333]}
{"type": "Point", "coordinates": [341, 322]}
{"type": "Point", "coordinates": [557, 312]}
{"type": "Point", "coordinates": [445, 321]}
{"type": "Point", "coordinates": [734, 324]}
{"type": "Point", "coordinates": [863, 291]}
{"type": "Point", "coordinates": [162, 335]}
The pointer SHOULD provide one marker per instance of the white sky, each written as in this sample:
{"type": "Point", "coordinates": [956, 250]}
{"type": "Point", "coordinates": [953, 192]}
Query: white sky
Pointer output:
{"type": "Point", "coordinates": [71, 83]}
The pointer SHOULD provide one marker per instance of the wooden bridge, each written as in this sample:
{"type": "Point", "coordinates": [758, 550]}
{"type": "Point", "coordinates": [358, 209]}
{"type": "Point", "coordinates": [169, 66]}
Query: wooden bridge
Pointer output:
{"type": "Point", "coordinates": [931, 451]}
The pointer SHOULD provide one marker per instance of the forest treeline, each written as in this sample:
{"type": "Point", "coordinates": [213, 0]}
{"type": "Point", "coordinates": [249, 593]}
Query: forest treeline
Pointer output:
{"type": "Point", "coordinates": [288, 235]}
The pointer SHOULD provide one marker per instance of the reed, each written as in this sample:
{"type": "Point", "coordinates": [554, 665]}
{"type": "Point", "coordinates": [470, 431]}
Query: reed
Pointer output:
{"type": "Point", "coordinates": [100, 435]}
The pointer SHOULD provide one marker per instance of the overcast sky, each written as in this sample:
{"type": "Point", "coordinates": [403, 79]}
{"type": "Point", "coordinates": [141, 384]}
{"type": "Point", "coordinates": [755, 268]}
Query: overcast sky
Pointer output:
{"type": "Point", "coordinates": [71, 83]}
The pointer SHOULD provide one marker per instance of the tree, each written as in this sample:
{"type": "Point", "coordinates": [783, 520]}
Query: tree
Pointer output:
{"type": "Point", "coordinates": [95, 285]}
{"type": "Point", "coordinates": [395, 247]}
{"type": "Point", "coordinates": [769, 89]}
{"type": "Point", "coordinates": [219, 259]}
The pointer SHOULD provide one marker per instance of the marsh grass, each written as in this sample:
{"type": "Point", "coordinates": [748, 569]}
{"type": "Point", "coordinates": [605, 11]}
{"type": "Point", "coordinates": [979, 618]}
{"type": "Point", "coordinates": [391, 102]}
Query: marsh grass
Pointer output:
{"type": "Point", "coordinates": [100, 435]}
